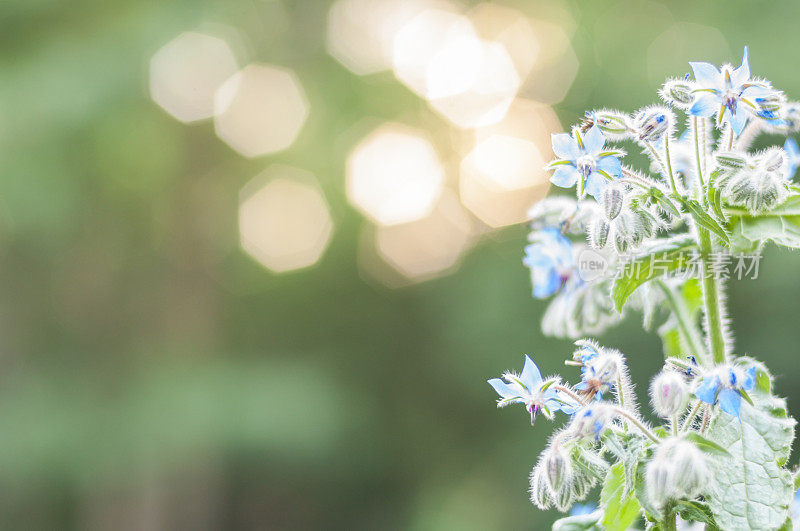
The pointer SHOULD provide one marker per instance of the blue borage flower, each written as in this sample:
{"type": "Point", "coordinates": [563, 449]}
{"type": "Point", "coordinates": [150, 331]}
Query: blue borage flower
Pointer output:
{"type": "Point", "coordinates": [583, 160]}
{"type": "Point", "coordinates": [726, 386]}
{"type": "Point", "coordinates": [792, 157]}
{"type": "Point", "coordinates": [722, 92]}
{"type": "Point", "coordinates": [550, 260]}
{"type": "Point", "coordinates": [531, 389]}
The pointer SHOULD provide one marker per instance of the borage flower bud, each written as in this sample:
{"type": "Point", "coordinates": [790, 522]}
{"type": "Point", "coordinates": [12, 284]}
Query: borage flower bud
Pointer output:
{"type": "Point", "coordinates": [677, 92]}
{"type": "Point", "coordinates": [659, 481]}
{"type": "Point", "coordinates": [669, 393]}
{"type": "Point", "coordinates": [557, 468]}
{"type": "Point", "coordinates": [598, 233]}
{"type": "Point", "coordinates": [590, 421]}
{"type": "Point", "coordinates": [651, 123]}
{"type": "Point", "coordinates": [769, 105]}
{"type": "Point", "coordinates": [691, 470]}
{"type": "Point", "coordinates": [613, 124]}
{"type": "Point", "coordinates": [612, 199]}
{"type": "Point", "coordinates": [540, 495]}
{"type": "Point", "coordinates": [760, 184]}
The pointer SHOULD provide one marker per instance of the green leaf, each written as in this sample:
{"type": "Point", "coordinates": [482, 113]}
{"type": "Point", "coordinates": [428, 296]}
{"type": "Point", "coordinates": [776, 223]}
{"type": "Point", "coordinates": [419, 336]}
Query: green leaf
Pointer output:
{"type": "Point", "coordinates": [580, 522]}
{"type": "Point", "coordinates": [619, 511]}
{"type": "Point", "coordinates": [780, 225]}
{"type": "Point", "coordinates": [751, 489]}
{"type": "Point", "coordinates": [701, 217]}
{"type": "Point", "coordinates": [707, 445]}
{"type": "Point", "coordinates": [659, 261]}
{"type": "Point", "coordinates": [695, 511]}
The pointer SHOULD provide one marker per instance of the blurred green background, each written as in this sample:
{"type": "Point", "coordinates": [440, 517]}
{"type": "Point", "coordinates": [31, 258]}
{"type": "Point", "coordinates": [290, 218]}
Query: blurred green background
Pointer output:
{"type": "Point", "coordinates": [155, 376]}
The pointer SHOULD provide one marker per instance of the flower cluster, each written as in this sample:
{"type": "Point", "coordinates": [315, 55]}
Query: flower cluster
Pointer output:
{"type": "Point", "coordinates": [704, 192]}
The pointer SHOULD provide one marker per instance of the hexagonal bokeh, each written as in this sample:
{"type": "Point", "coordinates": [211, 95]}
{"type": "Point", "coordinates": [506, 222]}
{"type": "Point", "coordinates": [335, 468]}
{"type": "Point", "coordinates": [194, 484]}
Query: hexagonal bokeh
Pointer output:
{"type": "Point", "coordinates": [394, 175]}
{"type": "Point", "coordinates": [429, 246]}
{"type": "Point", "coordinates": [260, 110]}
{"type": "Point", "coordinates": [284, 222]}
{"type": "Point", "coordinates": [555, 67]}
{"type": "Point", "coordinates": [186, 72]}
{"type": "Point", "coordinates": [506, 163]}
{"type": "Point", "coordinates": [512, 29]}
{"type": "Point", "coordinates": [360, 33]}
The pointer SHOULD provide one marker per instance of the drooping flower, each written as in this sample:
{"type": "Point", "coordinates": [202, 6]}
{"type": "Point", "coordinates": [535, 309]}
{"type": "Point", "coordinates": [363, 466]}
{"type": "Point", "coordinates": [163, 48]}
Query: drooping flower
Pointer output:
{"type": "Point", "coordinates": [725, 387]}
{"type": "Point", "coordinates": [731, 94]}
{"type": "Point", "coordinates": [792, 157]}
{"type": "Point", "coordinates": [757, 183]}
{"type": "Point", "coordinates": [584, 160]}
{"type": "Point", "coordinates": [531, 389]}
{"type": "Point", "coordinates": [551, 261]}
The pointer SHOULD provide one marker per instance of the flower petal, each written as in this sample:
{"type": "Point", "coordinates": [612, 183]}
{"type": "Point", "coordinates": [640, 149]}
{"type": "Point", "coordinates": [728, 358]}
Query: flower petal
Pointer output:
{"type": "Point", "coordinates": [595, 184]}
{"type": "Point", "coordinates": [707, 392]}
{"type": "Point", "coordinates": [749, 379]}
{"type": "Point", "coordinates": [565, 176]}
{"type": "Point", "coordinates": [565, 147]}
{"type": "Point", "coordinates": [730, 401]}
{"type": "Point", "coordinates": [530, 374]}
{"type": "Point", "coordinates": [737, 119]}
{"type": "Point", "coordinates": [593, 141]}
{"type": "Point", "coordinates": [706, 75]}
{"type": "Point", "coordinates": [706, 105]}
{"type": "Point", "coordinates": [611, 165]}
{"type": "Point", "coordinates": [502, 389]}
{"type": "Point", "coordinates": [742, 74]}
{"type": "Point", "coordinates": [545, 282]}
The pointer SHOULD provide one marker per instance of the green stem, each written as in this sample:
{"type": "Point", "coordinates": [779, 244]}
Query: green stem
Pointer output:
{"type": "Point", "coordinates": [685, 324]}
{"type": "Point", "coordinates": [669, 165]}
{"type": "Point", "coordinates": [711, 299]}
{"type": "Point", "coordinates": [687, 422]}
{"type": "Point", "coordinates": [638, 423]}
{"type": "Point", "coordinates": [670, 522]}
{"type": "Point", "coordinates": [700, 181]}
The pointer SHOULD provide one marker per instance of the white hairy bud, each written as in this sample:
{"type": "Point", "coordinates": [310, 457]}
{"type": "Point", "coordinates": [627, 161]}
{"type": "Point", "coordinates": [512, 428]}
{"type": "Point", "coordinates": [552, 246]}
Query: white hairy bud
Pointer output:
{"type": "Point", "coordinates": [678, 470]}
{"type": "Point", "coordinates": [590, 421]}
{"type": "Point", "coordinates": [557, 469]}
{"type": "Point", "coordinates": [598, 233]}
{"type": "Point", "coordinates": [612, 199]}
{"type": "Point", "coordinates": [540, 495]}
{"type": "Point", "coordinates": [651, 123]}
{"type": "Point", "coordinates": [677, 92]}
{"type": "Point", "coordinates": [613, 124]}
{"type": "Point", "coordinates": [760, 184]}
{"type": "Point", "coordinates": [669, 394]}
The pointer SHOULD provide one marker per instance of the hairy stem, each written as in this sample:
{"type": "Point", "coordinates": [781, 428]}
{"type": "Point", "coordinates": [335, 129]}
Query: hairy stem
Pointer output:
{"type": "Point", "coordinates": [685, 324]}
{"type": "Point", "coordinates": [669, 165]}
{"type": "Point", "coordinates": [711, 299]}
{"type": "Point", "coordinates": [700, 181]}
{"type": "Point", "coordinates": [687, 422]}
{"type": "Point", "coordinates": [570, 393]}
{"type": "Point", "coordinates": [636, 422]}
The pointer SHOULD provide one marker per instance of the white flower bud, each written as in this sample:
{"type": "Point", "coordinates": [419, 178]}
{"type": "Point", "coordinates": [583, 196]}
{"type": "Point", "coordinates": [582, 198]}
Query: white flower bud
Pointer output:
{"type": "Point", "coordinates": [677, 92]}
{"type": "Point", "coordinates": [678, 470]}
{"type": "Point", "coordinates": [691, 470]}
{"type": "Point", "coordinates": [540, 495]}
{"type": "Point", "coordinates": [557, 469]}
{"type": "Point", "coordinates": [590, 421]}
{"type": "Point", "coordinates": [612, 199]}
{"type": "Point", "coordinates": [563, 499]}
{"type": "Point", "coordinates": [606, 368]}
{"type": "Point", "coordinates": [613, 124]}
{"type": "Point", "coordinates": [659, 482]}
{"type": "Point", "coordinates": [669, 393]}
{"type": "Point", "coordinates": [598, 233]}
{"type": "Point", "coordinates": [652, 123]}
{"type": "Point", "coordinates": [760, 184]}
